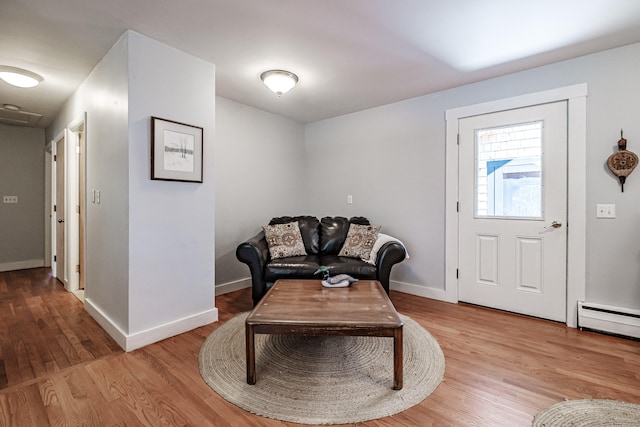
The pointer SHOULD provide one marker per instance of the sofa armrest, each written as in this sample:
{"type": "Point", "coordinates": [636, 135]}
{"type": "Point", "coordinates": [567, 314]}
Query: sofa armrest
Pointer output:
{"type": "Point", "coordinates": [255, 253]}
{"type": "Point", "coordinates": [390, 253]}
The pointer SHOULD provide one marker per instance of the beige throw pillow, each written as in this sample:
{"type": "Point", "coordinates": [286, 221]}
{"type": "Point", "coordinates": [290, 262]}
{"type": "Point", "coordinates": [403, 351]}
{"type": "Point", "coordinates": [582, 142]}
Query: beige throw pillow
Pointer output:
{"type": "Point", "coordinates": [359, 242]}
{"type": "Point", "coordinates": [284, 240]}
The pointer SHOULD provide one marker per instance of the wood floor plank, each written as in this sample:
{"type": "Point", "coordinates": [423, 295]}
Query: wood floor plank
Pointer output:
{"type": "Point", "coordinates": [160, 387]}
{"type": "Point", "coordinates": [128, 388]}
{"type": "Point", "coordinates": [58, 367]}
{"type": "Point", "coordinates": [10, 369]}
{"type": "Point", "coordinates": [26, 408]}
{"type": "Point", "coordinates": [71, 408]}
{"type": "Point", "coordinates": [52, 403]}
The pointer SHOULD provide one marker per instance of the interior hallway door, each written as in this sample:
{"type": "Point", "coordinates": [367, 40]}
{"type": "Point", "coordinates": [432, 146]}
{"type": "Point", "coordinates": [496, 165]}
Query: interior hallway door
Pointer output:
{"type": "Point", "coordinates": [60, 201]}
{"type": "Point", "coordinates": [513, 210]}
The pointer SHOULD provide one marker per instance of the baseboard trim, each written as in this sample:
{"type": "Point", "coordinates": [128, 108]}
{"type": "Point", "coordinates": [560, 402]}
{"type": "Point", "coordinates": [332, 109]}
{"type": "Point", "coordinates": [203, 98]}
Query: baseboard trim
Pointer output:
{"type": "Point", "coordinates": [225, 288]}
{"type": "Point", "coordinates": [170, 329]}
{"type": "Point", "coordinates": [407, 288]}
{"type": "Point", "coordinates": [152, 335]}
{"type": "Point", "coordinates": [417, 290]}
{"type": "Point", "coordinates": [119, 336]}
{"type": "Point", "coordinates": [22, 265]}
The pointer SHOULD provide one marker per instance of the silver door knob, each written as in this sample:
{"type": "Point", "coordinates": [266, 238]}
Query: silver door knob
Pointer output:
{"type": "Point", "coordinates": [554, 224]}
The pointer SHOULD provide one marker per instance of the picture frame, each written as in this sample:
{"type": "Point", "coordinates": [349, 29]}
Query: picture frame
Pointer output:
{"type": "Point", "coordinates": [176, 151]}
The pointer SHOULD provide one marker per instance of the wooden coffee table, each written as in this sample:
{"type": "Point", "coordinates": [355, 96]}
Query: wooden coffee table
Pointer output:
{"type": "Point", "coordinates": [305, 307]}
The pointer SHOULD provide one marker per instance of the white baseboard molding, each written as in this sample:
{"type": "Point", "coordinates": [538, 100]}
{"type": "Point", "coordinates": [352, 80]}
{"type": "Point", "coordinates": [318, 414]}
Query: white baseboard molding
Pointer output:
{"type": "Point", "coordinates": [176, 327]}
{"type": "Point", "coordinates": [407, 288]}
{"type": "Point", "coordinates": [149, 336]}
{"type": "Point", "coordinates": [119, 336]}
{"type": "Point", "coordinates": [605, 318]}
{"type": "Point", "coordinates": [22, 265]}
{"type": "Point", "coordinates": [421, 291]}
{"type": "Point", "coordinates": [225, 288]}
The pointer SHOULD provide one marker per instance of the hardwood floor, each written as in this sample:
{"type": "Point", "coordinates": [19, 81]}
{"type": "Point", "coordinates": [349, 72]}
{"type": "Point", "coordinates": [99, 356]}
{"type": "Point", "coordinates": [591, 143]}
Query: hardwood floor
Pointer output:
{"type": "Point", "coordinates": [58, 367]}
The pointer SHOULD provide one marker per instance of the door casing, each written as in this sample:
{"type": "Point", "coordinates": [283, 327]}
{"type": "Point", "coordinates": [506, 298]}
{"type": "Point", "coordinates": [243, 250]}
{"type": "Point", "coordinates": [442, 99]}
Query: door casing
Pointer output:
{"type": "Point", "coordinates": [576, 239]}
{"type": "Point", "coordinates": [72, 249]}
{"type": "Point", "coordinates": [77, 136]}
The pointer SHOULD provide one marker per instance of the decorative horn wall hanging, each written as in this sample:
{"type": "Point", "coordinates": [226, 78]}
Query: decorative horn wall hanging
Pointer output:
{"type": "Point", "coordinates": [623, 162]}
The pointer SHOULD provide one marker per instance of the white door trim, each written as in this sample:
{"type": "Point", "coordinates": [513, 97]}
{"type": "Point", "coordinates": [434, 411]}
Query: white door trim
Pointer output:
{"type": "Point", "coordinates": [54, 237]}
{"type": "Point", "coordinates": [72, 220]}
{"type": "Point", "coordinates": [576, 151]}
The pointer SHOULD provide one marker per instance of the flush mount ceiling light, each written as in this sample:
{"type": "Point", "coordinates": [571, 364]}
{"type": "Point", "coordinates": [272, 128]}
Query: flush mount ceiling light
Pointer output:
{"type": "Point", "coordinates": [19, 77]}
{"type": "Point", "coordinates": [279, 81]}
{"type": "Point", "coordinates": [11, 107]}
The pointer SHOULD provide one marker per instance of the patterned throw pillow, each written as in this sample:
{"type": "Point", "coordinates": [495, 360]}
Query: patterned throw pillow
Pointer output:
{"type": "Point", "coordinates": [359, 242]}
{"type": "Point", "coordinates": [284, 240]}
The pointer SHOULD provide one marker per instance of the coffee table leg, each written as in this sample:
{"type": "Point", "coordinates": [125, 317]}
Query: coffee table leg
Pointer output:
{"type": "Point", "coordinates": [251, 354]}
{"type": "Point", "coordinates": [397, 359]}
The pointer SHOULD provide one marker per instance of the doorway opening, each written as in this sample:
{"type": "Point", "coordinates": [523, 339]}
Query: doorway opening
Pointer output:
{"type": "Point", "coordinates": [68, 189]}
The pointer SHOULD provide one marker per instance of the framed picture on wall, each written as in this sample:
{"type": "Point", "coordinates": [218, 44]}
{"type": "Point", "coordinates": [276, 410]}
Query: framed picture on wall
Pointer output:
{"type": "Point", "coordinates": [176, 151]}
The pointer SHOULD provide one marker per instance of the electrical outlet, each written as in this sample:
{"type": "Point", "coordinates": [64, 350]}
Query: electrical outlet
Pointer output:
{"type": "Point", "coordinates": [9, 199]}
{"type": "Point", "coordinates": [349, 199]}
{"type": "Point", "coordinates": [605, 211]}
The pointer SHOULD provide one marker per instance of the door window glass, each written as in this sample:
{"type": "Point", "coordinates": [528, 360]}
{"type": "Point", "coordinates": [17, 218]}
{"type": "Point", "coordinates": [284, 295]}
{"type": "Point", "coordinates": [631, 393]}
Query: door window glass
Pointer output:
{"type": "Point", "coordinates": [509, 172]}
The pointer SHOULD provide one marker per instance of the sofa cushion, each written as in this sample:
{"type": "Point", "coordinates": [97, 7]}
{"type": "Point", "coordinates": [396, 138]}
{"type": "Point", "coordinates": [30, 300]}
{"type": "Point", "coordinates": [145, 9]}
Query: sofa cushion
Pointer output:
{"type": "Point", "coordinates": [308, 229]}
{"type": "Point", "coordinates": [284, 240]}
{"type": "Point", "coordinates": [351, 266]}
{"type": "Point", "coordinates": [298, 267]}
{"type": "Point", "coordinates": [359, 242]}
{"type": "Point", "coordinates": [333, 232]}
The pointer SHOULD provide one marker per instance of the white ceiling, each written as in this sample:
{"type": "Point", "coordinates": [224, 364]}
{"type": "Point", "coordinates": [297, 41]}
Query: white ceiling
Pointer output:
{"type": "Point", "coordinates": [349, 54]}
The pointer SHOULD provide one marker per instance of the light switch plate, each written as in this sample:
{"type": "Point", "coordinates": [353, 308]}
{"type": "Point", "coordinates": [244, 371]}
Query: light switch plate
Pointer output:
{"type": "Point", "coordinates": [605, 211]}
{"type": "Point", "coordinates": [9, 199]}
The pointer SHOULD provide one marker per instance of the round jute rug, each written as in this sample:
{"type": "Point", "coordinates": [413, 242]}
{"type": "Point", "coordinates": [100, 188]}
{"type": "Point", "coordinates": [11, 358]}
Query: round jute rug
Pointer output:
{"type": "Point", "coordinates": [589, 413]}
{"type": "Point", "coordinates": [321, 380]}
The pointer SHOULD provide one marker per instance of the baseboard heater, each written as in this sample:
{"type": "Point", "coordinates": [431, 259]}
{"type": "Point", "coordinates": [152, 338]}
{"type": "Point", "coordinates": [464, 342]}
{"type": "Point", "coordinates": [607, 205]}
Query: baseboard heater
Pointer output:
{"type": "Point", "coordinates": [605, 318]}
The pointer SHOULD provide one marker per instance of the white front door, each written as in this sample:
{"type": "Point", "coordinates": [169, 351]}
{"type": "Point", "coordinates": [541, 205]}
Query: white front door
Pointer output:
{"type": "Point", "coordinates": [513, 210]}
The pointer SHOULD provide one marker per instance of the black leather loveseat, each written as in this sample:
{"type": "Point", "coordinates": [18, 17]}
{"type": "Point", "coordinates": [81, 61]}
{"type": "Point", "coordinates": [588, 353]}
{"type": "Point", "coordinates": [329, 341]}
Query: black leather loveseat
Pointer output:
{"type": "Point", "coordinates": [323, 240]}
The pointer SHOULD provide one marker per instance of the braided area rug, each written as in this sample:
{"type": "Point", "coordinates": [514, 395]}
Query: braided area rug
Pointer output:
{"type": "Point", "coordinates": [321, 380]}
{"type": "Point", "coordinates": [589, 413]}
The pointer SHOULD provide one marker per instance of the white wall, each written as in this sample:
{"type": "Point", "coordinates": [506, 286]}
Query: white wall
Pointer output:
{"type": "Point", "coordinates": [149, 244]}
{"type": "Point", "coordinates": [391, 159]}
{"type": "Point", "coordinates": [386, 159]}
{"type": "Point", "coordinates": [260, 174]}
{"type": "Point", "coordinates": [22, 174]}
{"type": "Point", "coordinates": [171, 224]}
{"type": "Point", "coordinates": [104, 97]}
